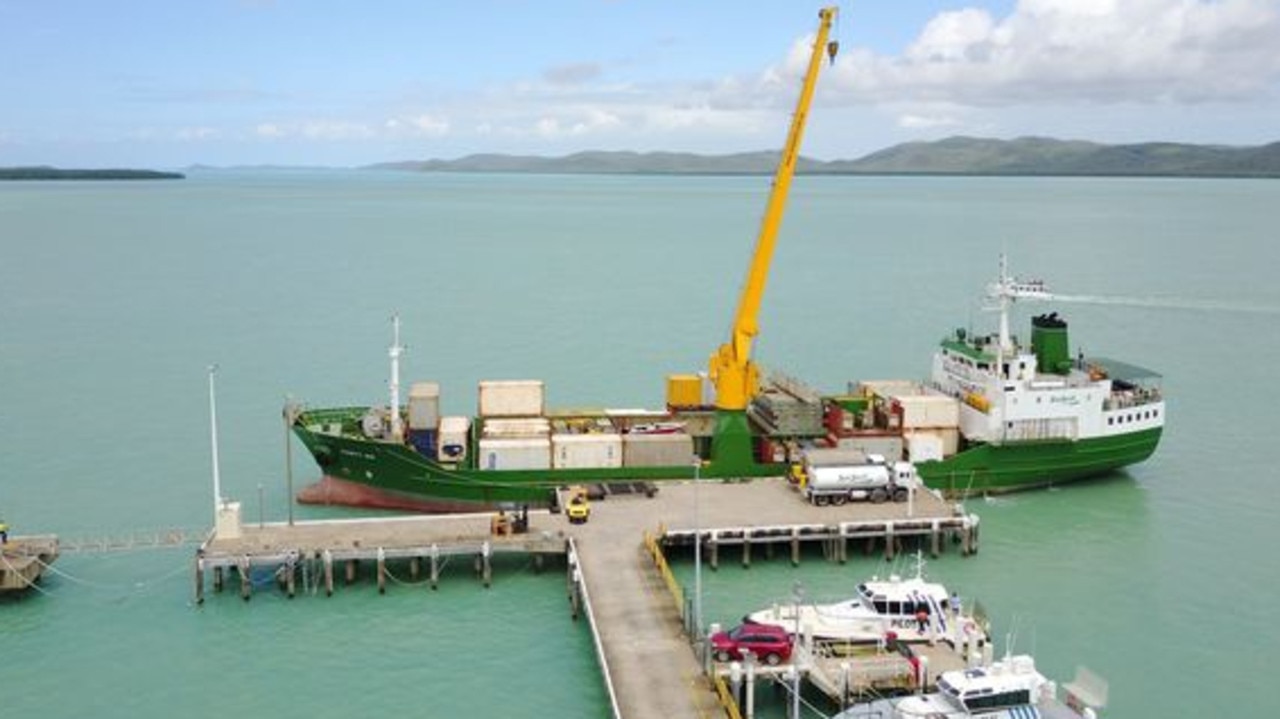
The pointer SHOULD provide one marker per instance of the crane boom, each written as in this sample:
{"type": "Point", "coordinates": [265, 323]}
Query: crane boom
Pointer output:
{"type": "Point", "coordinates": [735, 376]}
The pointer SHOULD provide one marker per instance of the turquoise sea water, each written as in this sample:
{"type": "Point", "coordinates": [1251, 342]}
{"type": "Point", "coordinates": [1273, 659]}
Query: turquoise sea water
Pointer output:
{"type": "Point", "coordinates": [115, 297]}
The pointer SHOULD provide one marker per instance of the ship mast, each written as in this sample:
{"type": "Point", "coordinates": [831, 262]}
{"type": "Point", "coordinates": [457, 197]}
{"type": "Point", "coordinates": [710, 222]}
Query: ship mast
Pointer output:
{"type": "Point", "coordinates": [396, 349]}
{"type": "Point", "coordinates": [1005, 290]}
{"type": "Point", "coordinates": [213, 440]}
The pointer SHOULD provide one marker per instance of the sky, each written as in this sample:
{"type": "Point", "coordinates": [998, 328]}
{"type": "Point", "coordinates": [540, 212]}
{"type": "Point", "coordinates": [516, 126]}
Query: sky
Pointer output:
{"type": "Point", "coordinates": [165, 83]}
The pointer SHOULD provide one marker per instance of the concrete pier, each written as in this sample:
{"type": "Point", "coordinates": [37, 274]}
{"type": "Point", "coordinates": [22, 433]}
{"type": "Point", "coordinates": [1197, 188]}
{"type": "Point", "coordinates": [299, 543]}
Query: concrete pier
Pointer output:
{"type": "Point", "coordinates": [23, 560]}
{"type": "Point", "coordinates": [648, 651]}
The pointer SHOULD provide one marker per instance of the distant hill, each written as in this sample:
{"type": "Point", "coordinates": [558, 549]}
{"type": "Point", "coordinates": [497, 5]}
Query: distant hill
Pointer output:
{"type": "Point", "coordinates": [600, 162]}
{"type": "Point", "coordinates": [53, 173]}
{"type": "Point", "coordinates": [1044, 156]}
{"type": "Point", "coordinates": [952, 156]}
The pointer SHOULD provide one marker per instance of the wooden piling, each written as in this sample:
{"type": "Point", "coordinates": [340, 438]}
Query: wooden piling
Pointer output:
{"type": "Point", "coordinates": [714, 546]}
{"type": "Point", "coordinates": [351, 571]}
{"type": "Point", "coordinates": [199, 581]}
{"type": "Point", "coordinates": [217, 579]}
{"type": "Point", "coordinates": [328, 573]}
{"type": "Point", "coordinates": [888, 541]}
{"type": "Point", "coordinates": [415, 567]}
{"type": "Point", "coordinates": [795, 546]}
{"type": "Point", "coordinates": [290, 570]}
{"type": "Point", "coordinates": [935, 537]}
{"type": "Point", "coordinates": [486, 571]}
{"type": "Point", "coordinates": [746, 552]}
{"type": "Point", "coordinates": [246, 579]}
{"type": "Point", "coordinates": [382, 571]}
{"type": "Point", "coordinates": [435, 567]}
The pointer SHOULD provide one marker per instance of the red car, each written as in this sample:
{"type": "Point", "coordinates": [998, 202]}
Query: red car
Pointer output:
{"type": "Point", "coordinates": [770, 643]}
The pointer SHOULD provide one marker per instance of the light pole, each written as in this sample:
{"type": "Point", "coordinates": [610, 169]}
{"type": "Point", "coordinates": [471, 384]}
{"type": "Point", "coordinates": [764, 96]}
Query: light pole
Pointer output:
{"type": "Point", "coordinates": [697, 550]}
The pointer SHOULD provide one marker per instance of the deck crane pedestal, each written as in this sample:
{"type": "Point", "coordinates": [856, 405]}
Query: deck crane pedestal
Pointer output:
{"type": "Point", "coordinates": [731, 370]}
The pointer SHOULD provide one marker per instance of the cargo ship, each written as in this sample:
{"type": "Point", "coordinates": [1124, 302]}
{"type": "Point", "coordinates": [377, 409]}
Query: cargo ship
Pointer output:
{"type": "Point", "coordinates": [994, 416]}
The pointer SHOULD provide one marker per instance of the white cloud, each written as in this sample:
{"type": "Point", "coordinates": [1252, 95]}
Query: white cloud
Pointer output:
{"type": "Point", "coordinates": [335, 130]}
{"type": "Point", "coordinates": [269, 130]}
{"type": "Point", "coordinates": [195, 134]}
{"type": "Point", "coordinates": [1144, 51]}
{"type": "Point", "coordinates": [429, 125]}
{"type": "Point", "coordinates": [926, 122]}
{"type": "Point", "coordinates": [572, 74]}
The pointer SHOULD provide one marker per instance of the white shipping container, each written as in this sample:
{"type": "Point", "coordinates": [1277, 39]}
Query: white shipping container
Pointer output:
{"type": "Point", "coordinates": [511, 398]}
{"type": "Point", "coordinates": [579, 451]}
{"type": "Point", "coordinates": [517, 428]}
{"type": "Point", "coordinates": [923, 447]}
{"type": "Point", "coordinates": [454, 433]}
{"type": "Point", "coordinates": [928, 410]}
{"type": "Point", "coordinates": [889, 447]}
{"type": "Point", "coordinates": [528, 453]}
{"type": "Point", "coordinates": [833, 456]}
{"type": "Point", "coordinates": [657, 450]}
{"type": "Point", "coordinates": [887, 387]}
{"type": "Point", "coordinates": [424, 405]}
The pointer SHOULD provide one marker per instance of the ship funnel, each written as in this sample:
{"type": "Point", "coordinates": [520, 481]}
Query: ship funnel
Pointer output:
{"type": "Point", "coordinates": [1049, 340]}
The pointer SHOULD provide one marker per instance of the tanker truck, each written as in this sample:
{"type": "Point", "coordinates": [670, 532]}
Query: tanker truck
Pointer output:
{"type": "Point", "coordinates": [828, 477]}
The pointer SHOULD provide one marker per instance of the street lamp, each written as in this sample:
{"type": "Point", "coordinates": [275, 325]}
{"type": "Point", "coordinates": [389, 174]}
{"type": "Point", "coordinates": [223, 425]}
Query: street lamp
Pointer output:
{"type": "Point", "coordinates": [697, 550]}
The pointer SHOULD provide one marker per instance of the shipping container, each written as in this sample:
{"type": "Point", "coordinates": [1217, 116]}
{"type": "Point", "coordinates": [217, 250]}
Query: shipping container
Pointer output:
{"type": "Point", "coordinates": [834, 456]}
{"type": "Point", "coordinates": [890, 446]}
{"type": "Point", "coordinates": [453, 438]}
{"type": "Point", "coordinates": [923, 446]}
{"type": "Point", "coordinates": [423, 441]}
{"type": "Point", "coordinates": [886, 387]}
{"type": "Point", "coordinates": [424, 405]}
{"type": "Point", "coordinates": [581, 451]}
{"type": "Point", "coordinates": [516, 428]}
{"type": "Point", "coordinates": [657, 450]}
{"type": "Point", "coordinates": [947, 439]}
{"type": "Point", "coordinates": [511, 398]}
{"type": "Point", "coordinates": [928, 411]}
{"type": "Point", "coordinates": [528, 453]}
{"type": "Point", "coordinates": [684, 390]}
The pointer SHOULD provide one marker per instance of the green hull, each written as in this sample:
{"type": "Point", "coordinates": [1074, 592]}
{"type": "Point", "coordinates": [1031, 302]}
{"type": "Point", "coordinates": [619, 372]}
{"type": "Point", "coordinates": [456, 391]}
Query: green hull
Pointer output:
{"type": "Point", "coordinates": [400, 470]}
{"type": "Point", "coordinates": [986, 469]}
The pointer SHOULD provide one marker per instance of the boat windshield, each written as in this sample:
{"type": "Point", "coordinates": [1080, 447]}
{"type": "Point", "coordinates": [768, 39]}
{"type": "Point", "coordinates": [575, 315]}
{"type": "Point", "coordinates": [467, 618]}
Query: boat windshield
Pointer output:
{"type": "Point", "coordinates": [949, 693]}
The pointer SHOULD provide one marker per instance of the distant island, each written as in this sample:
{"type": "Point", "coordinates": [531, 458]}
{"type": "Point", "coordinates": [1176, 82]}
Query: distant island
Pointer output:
{"type": "Point", "coordinates": [54, 173]}
{"type": "Point", "coordinates": [1034, 156]}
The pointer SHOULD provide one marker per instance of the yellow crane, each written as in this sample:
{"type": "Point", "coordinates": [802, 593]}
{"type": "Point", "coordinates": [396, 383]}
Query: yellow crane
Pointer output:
{"type": "Point", "coordinates": [731, 370]}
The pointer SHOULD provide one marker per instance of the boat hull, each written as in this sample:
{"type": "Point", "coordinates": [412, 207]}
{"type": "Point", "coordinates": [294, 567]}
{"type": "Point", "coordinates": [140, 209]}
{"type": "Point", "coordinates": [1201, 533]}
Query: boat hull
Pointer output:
{"type": "Point", "coordinates": [990, 469]}
{"type": "Point", "coordinates": [399, 470]}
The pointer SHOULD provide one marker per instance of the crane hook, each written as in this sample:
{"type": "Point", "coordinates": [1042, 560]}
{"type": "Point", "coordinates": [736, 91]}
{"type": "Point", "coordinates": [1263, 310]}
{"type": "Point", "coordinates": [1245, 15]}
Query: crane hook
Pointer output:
{"type": "Point", "coordinates": [833, 47]}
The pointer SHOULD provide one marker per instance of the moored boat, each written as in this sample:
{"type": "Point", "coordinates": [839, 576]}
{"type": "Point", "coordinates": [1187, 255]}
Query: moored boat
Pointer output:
{"type": "Point", "coordinates": [1008, 689]}
{"type": "Point", "coordinates": [910, 609]}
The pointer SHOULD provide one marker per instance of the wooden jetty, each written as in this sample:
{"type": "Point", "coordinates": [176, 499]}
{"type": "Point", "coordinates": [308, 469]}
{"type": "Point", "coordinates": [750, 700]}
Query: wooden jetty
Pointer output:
{"type": "Point", "coordinates": [645, 642]}
{"type": "Point", "coordinates": [23, 560]}
{"type": "Point", "coordinates": [287, 550]}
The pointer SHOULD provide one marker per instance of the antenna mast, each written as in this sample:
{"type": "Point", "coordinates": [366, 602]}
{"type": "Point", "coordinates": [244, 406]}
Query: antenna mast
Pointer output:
{"type": "Point", "coordinates": [396, 349]}
{"type": "Point", "coordinates": [213, 439]}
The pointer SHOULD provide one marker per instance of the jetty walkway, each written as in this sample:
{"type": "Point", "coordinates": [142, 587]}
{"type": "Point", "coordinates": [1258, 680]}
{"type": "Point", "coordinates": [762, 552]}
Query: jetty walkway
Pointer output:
{"type": "Point", "coordinates": [638, 614]}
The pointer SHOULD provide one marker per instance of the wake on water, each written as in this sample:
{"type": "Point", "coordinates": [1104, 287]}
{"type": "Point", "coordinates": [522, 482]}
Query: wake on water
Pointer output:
{"type": "Point", "coordinates": [1172, 304]}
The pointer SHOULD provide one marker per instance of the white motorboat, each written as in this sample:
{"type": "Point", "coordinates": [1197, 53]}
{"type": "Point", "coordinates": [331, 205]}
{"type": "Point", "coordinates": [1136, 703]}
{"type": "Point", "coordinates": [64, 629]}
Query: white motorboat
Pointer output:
{"type": "Point", "coordinates": [913, 609]}
{"type": "Point", "coordinates": [1007, 689]}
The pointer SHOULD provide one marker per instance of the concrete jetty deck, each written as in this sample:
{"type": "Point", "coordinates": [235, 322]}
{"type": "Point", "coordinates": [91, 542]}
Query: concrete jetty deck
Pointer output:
{"type": "Point", "coordinates": [651, 671]}
{"type": "Point", "coordinates": [23, 559]}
